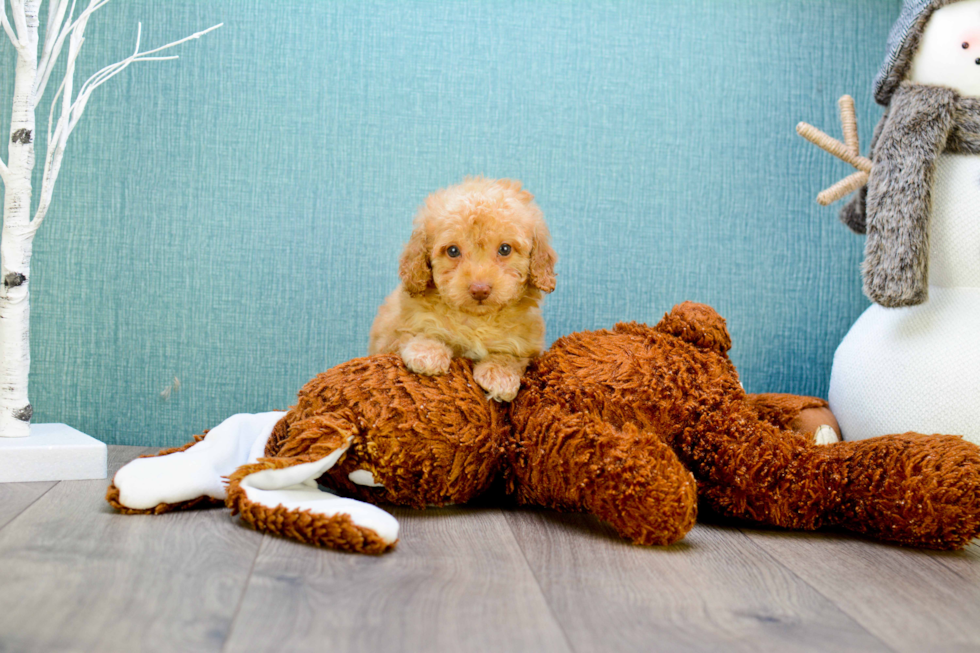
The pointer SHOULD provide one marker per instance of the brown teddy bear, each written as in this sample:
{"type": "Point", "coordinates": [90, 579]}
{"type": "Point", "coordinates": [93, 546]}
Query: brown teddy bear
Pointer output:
{"type": "Point", "coordinates": [634, 425]}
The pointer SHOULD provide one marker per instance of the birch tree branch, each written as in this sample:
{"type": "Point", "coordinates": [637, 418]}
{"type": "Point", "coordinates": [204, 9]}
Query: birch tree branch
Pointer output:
{"type": "Point", "coordinates": [6, 26]}
{"type": "Point", "coordinates": [54, 7]}
{"type": "Point", "coordinates": [52, 44]}
{"type": "Point", "coordinates": [47, 66]}
{"type": "Point", "coordinates": [72, 110]}
{"type": "Point", "coordinates": [20, 20]}
{"type": "Point", "coordinates": [110, 71]}
{"type": "Point", "coordinates": [59, 141]}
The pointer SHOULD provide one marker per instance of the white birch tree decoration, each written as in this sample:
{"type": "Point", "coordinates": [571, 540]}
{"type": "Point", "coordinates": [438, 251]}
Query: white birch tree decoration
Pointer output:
{"type": "Point", "coordinates": [31, 79]}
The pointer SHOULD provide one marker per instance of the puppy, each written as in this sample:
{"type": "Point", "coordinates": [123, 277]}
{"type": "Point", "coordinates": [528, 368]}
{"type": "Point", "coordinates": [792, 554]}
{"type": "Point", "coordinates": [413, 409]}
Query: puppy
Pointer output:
{"type": "Point", "coordinates": [472, 278]}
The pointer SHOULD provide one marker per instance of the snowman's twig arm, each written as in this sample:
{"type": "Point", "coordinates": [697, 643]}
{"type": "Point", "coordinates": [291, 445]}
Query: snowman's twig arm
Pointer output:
{"type": "Point", "coordinates": [843, 188]}
{"type": "Point", "coordinates": [848, 151]}
{"type": "Point", "coordinates": [849, 124]}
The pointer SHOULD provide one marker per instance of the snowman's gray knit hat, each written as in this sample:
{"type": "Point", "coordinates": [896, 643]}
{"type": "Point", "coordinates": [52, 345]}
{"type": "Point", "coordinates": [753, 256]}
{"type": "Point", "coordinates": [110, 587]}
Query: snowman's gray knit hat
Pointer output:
{"type": "Point", "coordinates": [902, 44]}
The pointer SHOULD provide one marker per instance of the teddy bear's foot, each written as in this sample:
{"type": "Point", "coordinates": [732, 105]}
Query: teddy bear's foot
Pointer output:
{"type": "Point", "coordinates": [192, 475]}
{"type": "Point", "coordinates": [280, 496]}
{"type": "Point", "coordinates": [912, 489]}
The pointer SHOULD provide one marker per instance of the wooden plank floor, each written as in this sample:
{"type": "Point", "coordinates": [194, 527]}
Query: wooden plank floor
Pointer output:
{"type": "Point", "coordinates": [76, 576]}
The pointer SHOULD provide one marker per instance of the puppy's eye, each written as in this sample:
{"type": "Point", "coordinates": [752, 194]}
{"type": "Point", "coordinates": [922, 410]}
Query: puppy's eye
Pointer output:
{"type": "Point", "coordinates": [504, 250]}
{"type": "Point", "coordinates": [453, 252]}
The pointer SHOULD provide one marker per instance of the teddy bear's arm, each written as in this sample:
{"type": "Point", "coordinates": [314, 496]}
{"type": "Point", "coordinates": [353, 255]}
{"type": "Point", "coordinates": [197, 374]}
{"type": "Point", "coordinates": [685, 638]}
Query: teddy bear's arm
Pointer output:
{"type": "Point", "coordinates": [805, 415]}
{"type": "Point", "coordinates": [629, 477]}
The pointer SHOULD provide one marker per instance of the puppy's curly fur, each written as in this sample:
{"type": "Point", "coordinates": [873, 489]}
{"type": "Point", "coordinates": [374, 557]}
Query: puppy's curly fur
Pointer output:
{"type": "Point", "coordinates": [473, 274]}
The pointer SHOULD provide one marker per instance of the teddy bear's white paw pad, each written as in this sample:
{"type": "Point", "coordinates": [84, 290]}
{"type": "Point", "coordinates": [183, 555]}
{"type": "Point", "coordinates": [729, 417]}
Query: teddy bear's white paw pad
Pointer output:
{"type": "Point", "coordinates": [825, 434]}
{"type": "Point", "coordinates": [363, 477]}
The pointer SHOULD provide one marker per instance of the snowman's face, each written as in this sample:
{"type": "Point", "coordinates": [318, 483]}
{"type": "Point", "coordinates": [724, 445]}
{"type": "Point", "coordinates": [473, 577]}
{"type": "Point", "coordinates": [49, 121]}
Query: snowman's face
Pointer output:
{"type": "Point", "coordinates": [949, 52]}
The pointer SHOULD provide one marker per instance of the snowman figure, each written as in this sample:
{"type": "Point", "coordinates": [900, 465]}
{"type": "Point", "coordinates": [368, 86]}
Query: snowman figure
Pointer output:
{"type": "Point", "coordinates": [911, 362]}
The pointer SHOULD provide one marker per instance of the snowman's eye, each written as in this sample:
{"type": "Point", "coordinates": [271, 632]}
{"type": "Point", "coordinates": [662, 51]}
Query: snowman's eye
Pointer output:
{"type": "Point", "coordinates": [977, 61]}
{"type": "Point", "coordinates": [966, 46]}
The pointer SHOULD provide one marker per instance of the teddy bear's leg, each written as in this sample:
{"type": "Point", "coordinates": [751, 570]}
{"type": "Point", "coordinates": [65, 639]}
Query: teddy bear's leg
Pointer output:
{"type": "Point", "coordinates": [629, 478]}
{"type": "Point", "coordinates": [280, 496]}
{"type": "Point", "coordinates": [193, 474]}
{"type": "Point", "coordinates": [916, 490]}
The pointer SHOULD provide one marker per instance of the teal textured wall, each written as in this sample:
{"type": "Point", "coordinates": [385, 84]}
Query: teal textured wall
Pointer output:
{"type": "Point", "coordinates": [234, 218]}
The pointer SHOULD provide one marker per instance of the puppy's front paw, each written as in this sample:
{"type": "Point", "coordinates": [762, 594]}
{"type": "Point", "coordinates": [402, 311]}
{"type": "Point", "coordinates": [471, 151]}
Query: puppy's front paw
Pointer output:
{"type": "Point", "coordinates": [428, 357]}
{"type": "Point", "coordinates": [500, 381]}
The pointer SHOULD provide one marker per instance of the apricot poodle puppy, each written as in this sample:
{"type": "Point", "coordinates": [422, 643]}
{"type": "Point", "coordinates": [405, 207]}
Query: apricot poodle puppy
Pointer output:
{"type": "Point", "coordinates": [472, 278]}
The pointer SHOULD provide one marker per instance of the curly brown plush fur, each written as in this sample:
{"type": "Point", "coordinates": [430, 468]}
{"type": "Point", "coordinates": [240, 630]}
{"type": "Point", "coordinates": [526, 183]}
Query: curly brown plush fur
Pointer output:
{"type": "Point", "coordinates": [635, 425]}
{"type": "Point", "coordinates": [676, 406]}
{"type": "Point", "coordinates": [431, 441]}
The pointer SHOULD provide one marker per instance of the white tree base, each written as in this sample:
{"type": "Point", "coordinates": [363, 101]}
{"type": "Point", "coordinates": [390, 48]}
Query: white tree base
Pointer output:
{"type": "Point", "coordinates": [52, 452]}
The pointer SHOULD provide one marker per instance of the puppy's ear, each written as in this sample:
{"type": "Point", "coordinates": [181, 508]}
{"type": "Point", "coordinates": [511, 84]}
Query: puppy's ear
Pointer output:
{"type": "Point", "coordinates": [543, 259]}
{"type": "Point", "coordinates": [414, 268]}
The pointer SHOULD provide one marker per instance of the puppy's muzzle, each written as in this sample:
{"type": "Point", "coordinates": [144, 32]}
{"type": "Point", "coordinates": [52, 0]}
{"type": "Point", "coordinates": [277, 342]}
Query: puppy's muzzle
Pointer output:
{"type": "Point", "coordinates": [480, 291]}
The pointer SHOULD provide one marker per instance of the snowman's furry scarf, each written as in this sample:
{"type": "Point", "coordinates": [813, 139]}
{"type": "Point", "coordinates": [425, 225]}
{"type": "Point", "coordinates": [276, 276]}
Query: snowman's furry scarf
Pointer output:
{"type": "Point", "coordinates": [920, 123]}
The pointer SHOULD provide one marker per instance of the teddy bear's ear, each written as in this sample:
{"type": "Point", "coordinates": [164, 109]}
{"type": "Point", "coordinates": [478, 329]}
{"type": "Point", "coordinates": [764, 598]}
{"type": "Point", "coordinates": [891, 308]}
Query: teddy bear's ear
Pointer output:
{"type": "Point", "coordinates": [697, 324]}
{"type": "Point", "coordinates": [414, 268]}
{"type": "Point", "coordinates": [543, 259]}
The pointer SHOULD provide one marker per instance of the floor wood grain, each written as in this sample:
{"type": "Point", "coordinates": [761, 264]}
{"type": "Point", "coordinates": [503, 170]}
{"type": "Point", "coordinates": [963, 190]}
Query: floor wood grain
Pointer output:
{"type": "Point", "coordinates": [713, 591]}
{"type": "Point", "coordinates": [456, 582]}
{"type": "Point", "coordinates": [76, 576]}
{"type": "Point", "coordinates": [17, 497]}
{"type": "Point", "coordinates": [913, 600]}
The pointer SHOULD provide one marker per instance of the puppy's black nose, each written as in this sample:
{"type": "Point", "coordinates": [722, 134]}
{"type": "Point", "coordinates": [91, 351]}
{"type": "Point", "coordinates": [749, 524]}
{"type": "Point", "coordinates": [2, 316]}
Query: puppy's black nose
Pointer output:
{"type": "Point", "coordinates": [480, 291]}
